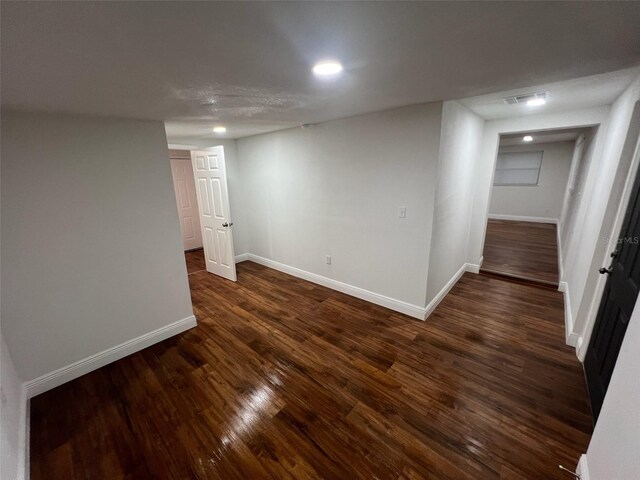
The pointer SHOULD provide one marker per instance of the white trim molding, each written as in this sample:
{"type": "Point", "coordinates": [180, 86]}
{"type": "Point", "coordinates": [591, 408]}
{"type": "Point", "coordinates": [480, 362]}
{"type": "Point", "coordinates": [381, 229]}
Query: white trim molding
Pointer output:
{"type": "Point", "coordinates": [24, 424]}
{"type": "Point", "coordinates": [388, 302]}
{"type": "Point", "coordinates": [24, 431]}
{"type": "Point", "coordinates": [243, 257]}
{"type": "Point", "coordinates": [177, 146]}
{"type": "Point", "coordinates": [472, 267]}
{"type": "Point", "coordinates": [583, 468]}
{"type": "Point", "coordinates": [27, 435]}
{"type": "Point", "coordinates": [65, 374]}
{"type": "Point", "coordinates": [571, 338]}
{"type": "Point", "coordinates": [559, 248]}
{"type": "Point", "coordinates": [443, 293]}
{"type": "Point", "coordinates": [520, 218]}
{"type": "Point", "coordinates": [581, 348]}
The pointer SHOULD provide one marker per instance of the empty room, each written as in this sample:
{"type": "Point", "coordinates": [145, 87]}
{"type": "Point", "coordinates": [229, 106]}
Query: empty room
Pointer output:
{"type": "Point", "coordinates": [392, 240]}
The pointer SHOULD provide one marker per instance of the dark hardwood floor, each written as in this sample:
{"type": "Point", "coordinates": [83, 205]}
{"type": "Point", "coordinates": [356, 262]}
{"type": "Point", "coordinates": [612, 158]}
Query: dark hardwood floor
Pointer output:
{"type": "Point", "coordinates": [524, 250]}
{"type": "Point", "coordinates": [195, 260]}
{"type": "Point", "coordinates": [286, 379]}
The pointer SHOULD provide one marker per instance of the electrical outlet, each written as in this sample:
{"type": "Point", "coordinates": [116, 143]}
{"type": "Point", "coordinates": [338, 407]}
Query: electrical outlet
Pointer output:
{"type": "Point", "coordinates": [402, 212]}
{"type": "Point", "coordinates": [328, 259]}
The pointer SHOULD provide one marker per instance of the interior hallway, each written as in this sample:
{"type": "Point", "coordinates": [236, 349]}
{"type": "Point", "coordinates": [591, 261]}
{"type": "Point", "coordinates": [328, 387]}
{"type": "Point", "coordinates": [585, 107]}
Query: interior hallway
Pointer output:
{"type": "Point", "coordinates": [525, 250]}
{"type": "Point", "coordinates": [283, 378]}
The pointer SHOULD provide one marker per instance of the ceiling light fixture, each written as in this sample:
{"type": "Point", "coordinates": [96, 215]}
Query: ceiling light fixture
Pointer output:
{"type": "Point", "coordinates": [219, 129]}
{"type": "Point", "coordinates": [327, 68]}
{"type": "Point", "coordinates": [527, 138]}
{"type": "Point", "coordinates": [538, 100]}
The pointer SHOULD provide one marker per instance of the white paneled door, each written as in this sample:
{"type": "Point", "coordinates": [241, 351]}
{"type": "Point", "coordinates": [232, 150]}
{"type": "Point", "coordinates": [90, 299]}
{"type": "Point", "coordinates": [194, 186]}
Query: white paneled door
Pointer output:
{"type": "Point", "coordinates": [185, 189]}
{"type": "Point", "coordinates": [213, 204]}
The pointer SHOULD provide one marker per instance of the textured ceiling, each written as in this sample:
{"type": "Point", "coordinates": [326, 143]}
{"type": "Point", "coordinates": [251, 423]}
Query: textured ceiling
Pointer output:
{"type": "Point", "coordinates": [247, 65]}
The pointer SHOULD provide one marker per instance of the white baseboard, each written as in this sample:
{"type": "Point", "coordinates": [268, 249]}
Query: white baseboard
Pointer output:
{"type": "Point", "coordinates": [522, 218]}
{"type": "Point", "coordinates": [571, 337]}
{"type": "Point", "coordinates": [391, 303]}
{"type": "Point", "coordinates": [77, 369]}
{"type": "Point", "coordinates": [243, 257]}
{"type": "Point", "coordinates": [443, 293]}
{"type": "Point", "coordinates": [559, 246]}
{"type": "Point", "coordinates": [581, 348]}
{"type": "Point", "coordinates": [472, 267]}
{"type": "Point", "coordinates": [572, 340]}
{"type": "Point", "coordinates": [583, 468]}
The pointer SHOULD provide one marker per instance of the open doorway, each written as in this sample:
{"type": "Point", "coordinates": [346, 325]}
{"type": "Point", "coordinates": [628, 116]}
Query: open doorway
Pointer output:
{"type": "Point", "coordinates": [536, 175]}
{"type": "Point", "coordinates": [186, 199]}
{"type": "Point", "coordinates": [200, 184]}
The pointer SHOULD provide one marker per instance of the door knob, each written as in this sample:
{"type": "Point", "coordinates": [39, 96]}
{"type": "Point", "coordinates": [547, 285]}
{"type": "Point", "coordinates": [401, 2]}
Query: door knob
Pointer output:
{"type": "Point", "coordinates": [227, 224]}
{"type": "Point", "coordinates": [606, 270]}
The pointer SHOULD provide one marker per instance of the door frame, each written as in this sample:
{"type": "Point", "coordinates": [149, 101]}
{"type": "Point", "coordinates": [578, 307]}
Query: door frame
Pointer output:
{"type": "Point", "coordinates": [172, 160]}
{"type": "Point", "coordinates": [488, 155]}
{"type": "Point", "coordinates": [592, 314]}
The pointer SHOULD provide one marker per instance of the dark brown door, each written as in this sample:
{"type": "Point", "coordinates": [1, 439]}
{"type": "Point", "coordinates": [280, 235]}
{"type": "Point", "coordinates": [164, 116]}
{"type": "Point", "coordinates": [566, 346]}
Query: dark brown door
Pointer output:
{"type": "Point", "coordinates": [616, 306]}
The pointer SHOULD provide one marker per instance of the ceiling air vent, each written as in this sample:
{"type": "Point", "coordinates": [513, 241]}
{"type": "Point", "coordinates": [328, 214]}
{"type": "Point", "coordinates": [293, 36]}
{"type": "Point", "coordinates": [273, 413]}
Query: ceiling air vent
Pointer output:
{"type": "Point", "coordinates": [526, 98]}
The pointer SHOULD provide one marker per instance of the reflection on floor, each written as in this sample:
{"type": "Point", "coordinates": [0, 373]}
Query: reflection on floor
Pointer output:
{"type": "Point", "coordinates": [524, 250]}
{"type": "Point", "coordinates": [283, 378]}
{"type": "Point", "coordinates": [195, 260]}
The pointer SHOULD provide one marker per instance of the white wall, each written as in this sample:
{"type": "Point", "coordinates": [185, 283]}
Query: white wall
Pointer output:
{"type": "Point", "coordinates": [543, 200]}
{"type": "Point", "coordinates": [576, 184]}
{"type": "Point", "coordinates": [615, 444]}
{"type": "Point", "coordinates": [91, 248]}
{"type": "Point", "coordinates": [12, 418]}
{"type": "Point", "coordinates": [597, 215]}
{"type": "Point", "coordinates": [335, 188]}
{"type": "Point", "coordinates": [459, 144]}
{"type": "Point", "coordinates": [236, 196]}
{"type": "Point", "coordinates": [234, 183]}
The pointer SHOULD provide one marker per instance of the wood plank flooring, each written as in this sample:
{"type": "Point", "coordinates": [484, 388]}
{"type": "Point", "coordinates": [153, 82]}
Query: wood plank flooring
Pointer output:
{"type": "Point", "coordinates": [286, 379]}
{"type": "Point", "coordinates": [195, 260]}
{"type": "Point", "coordinates": [524, 250]}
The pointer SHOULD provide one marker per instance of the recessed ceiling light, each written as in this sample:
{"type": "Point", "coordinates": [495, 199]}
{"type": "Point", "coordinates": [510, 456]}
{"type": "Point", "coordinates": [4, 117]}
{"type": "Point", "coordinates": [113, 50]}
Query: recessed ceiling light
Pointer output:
{"type": "Point", "coordinates": [527, 138]}
{"type": "Point", "coordinates": [219, 129]}
{"type": "Point", "coordinates": [325, 69]}
{"type": "Point", "coordinates": [536, 102]}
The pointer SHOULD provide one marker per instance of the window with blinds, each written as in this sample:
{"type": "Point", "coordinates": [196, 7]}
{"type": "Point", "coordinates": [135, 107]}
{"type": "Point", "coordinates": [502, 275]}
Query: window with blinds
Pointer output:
{"type": "Point", "coordinates": [518, 168]}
